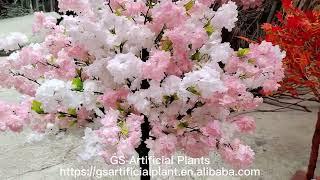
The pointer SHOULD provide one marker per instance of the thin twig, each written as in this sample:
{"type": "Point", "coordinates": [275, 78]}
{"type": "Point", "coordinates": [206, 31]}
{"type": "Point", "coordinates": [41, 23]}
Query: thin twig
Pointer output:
{"type": "Point", "coordinates": [282, 102]}
{"type": "Point", "coordinates": [22, 75]}
{"type": "Point", "coordinates": [272, 11]}
{"type": "Point", "coordinates": [110, 6]}
{"type": "Point", "coordinates": [296, 97]}
{"type": "Point", "coordinates": [285, 107]}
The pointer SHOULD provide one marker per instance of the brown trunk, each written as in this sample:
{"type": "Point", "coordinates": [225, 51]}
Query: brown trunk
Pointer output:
{"type": "Point", "coordinates": [307, 4]}
{"type": "Point", "coordinates": [314, 150]}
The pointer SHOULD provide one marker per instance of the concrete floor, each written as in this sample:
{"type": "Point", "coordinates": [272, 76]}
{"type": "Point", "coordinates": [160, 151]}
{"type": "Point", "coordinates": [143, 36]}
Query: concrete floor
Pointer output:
{"type": "Point", "coordinates": [19, 24]}
{"type": "Point", "coordinates": [281, 142]}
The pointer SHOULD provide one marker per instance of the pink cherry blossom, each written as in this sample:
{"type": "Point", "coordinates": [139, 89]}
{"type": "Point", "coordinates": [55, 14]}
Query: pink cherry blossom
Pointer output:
{"type": "Point", "coordinates": [184, 36]}
{"type": "Point", "coordinates": [115, 4]}
{"type": "Point", "coordinates": [167, 14]}
{"type": "Point", "coordinates": [207, 2]}
{"type": "Point", "coordinates": [239, 156]}
{"type": "Point", "coordinates": [270, 86]}
{"type": "Point", "coordinates": [66, 66]}
{"type": "Point", "coordinates": [83, 116]}
{"type": "Point", "coordinates": [14, 117]}
{"type": "Point", "coordinates": [165, 145]}
{"type": "Point", "coordinates": [78, 52]}
{"type": "Point", "coordinates": [110, 119]}
{"type": "Point", "coordinates": [111, 97]}
{"type": "Point", "coordinates": [135, 8]}
{"type": "Point", "coordinates": [42, 22]}
{"type": "Point", "coordinates": [212, 129]}
{"type": "Point", "coordinates": [74, 5]}
{"type": "Point", "coordinates": [157, 65]}
{"type": "Point", "coordinates": [56, 43]}
{"type": "Point", "coordinates": [244, 124]}
{"type": "Point", "coordinates": [191, 142]}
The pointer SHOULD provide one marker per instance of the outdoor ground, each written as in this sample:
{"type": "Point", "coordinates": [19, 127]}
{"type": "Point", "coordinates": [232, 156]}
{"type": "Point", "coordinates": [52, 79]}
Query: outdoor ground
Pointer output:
{"type": "Point", "coordinates": [281, 142]}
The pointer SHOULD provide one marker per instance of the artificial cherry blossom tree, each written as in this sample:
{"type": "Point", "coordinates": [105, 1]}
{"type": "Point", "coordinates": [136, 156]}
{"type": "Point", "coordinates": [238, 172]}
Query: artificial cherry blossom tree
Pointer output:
{"type": "Point", "coordinates": [139, 75]}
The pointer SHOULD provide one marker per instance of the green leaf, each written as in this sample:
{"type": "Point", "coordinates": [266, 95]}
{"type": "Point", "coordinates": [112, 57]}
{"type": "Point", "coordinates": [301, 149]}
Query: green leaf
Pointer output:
{"type": "Point", "coordinates": [169, 99]}
{"type": "Point", "coordinates": [72, 123]}
{"type": "Point", "coordinates": [60, 116]}
{"type": "Point", "coordinates": [209, 28]}
{"type": "Point", "coordinates": [124, 130]}
{"type": "Point", "coordinates": [175, 96]}
{"type": "Point", "coordinates": [166, 99]}
{"type": "Point", "coordinates": [243, 76]}
{"type": "Point", "coordinates": [243, 52]}
{"type": "Point", "coordinates": [77, 84]}
{"type": "Point", "coordinates": [150, 4]}
{"type": "Point", "coordinates": [193, 90]}
{"type": "Point", "coordinates": [121, 109]}
{"type": "Point", "coordinates": [36, 106]}
{"type": "Point", "coordinates": [252, 61]}
{"type": "Point", "coordinates": [196, 56]}
{"type": "Point", "coordinates": [183, 125]}
{"type": "Point", "coordinates": [189, 5]}
{"type": "Point", "coordinates": [166, 45]}
{"type": "Point", "coordinates": [79, 72]}
{"type": "Point", "coordinates": [118, 12]}
{"type": "Point", "coordinates": [72, 111]}
{"type": "Point", "coordinates": [52, 60]}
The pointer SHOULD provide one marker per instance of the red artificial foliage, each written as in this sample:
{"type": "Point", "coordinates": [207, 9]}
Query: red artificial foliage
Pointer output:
{"type": "Point", "coordinates": [298, 33]}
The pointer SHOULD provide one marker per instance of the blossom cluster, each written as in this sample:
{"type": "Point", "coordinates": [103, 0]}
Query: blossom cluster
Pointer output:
{"type": "Point", "coordinates": [298, 34]}
{"type": "Point", "coordinates": [120, 63]}
{"type": "Point", "coordinates": [246, 4]}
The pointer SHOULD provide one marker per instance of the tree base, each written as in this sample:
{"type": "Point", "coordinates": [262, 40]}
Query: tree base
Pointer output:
{"type": "Point", "coordinates": [301, 175]}
{"type": "Point", "coordinates": [314, 150]}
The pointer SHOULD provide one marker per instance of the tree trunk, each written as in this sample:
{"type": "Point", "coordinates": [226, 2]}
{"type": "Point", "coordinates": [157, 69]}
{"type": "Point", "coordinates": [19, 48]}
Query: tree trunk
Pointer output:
{"type": "Point", "coordinates": [143, 151]}
{"type": "Point", "coordinates": [307, 4]}
{"type": "Point", "coordinates": [314, 150]}
{"type": "Point", "coordinates": [272, 11]}
{"type": "Point", "coordinates": [36, 4]}
{"type": "Point", "coordinates": [51, 5]}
